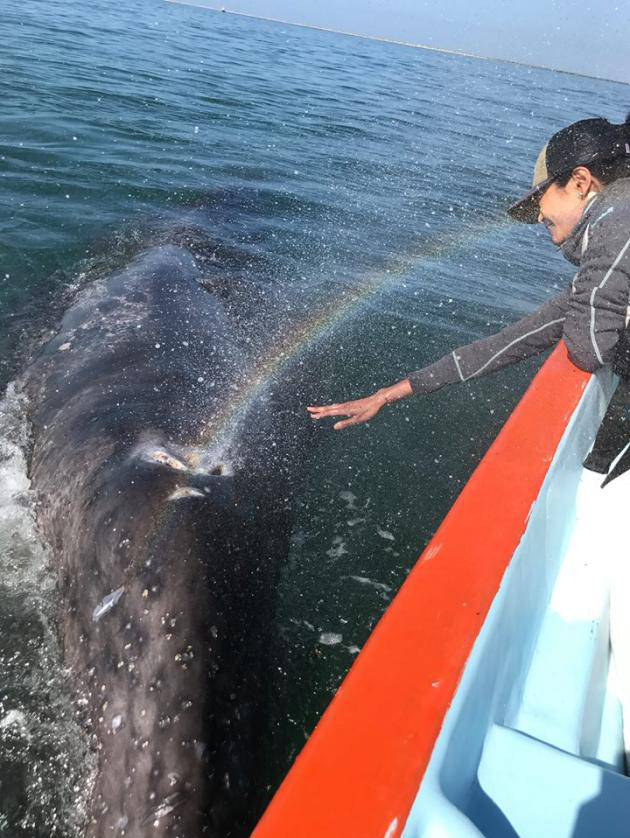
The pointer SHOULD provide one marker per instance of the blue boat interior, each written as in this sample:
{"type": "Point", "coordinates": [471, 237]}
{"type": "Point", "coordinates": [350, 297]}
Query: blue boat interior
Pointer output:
{"type": "Point", "coordinates": [532, 746]}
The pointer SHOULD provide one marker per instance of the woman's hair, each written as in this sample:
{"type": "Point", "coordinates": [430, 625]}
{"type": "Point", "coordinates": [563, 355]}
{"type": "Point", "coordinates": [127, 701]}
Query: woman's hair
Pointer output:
{"type": "Point", "coordinates": [606, 171]}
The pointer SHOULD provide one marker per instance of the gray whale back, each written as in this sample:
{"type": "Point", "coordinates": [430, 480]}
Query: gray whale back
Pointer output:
{"type": "Point", "coordinates": [168, 550]}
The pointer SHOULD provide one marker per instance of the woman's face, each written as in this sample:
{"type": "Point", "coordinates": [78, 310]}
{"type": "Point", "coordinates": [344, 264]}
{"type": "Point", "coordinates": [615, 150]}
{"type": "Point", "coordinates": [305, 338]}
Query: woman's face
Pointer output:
{"type": "Point", "coordinates": [560, 209]}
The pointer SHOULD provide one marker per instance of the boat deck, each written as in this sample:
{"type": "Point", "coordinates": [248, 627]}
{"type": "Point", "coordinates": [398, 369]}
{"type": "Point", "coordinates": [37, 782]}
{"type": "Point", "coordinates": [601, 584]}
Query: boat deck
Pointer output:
{"type": "Point", "coordinates": [538, 713]}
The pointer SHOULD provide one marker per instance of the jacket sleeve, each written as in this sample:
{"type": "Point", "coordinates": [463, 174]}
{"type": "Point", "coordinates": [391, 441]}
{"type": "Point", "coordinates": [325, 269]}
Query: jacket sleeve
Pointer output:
{"type": "Point", "coordinates": [599, 302]}
{"type": "Point", "coordinates": [529, 336]}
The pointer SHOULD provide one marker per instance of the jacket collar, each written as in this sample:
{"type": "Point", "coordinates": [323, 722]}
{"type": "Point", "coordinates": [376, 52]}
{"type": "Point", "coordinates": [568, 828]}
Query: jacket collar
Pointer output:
{"type": "Point", "coordinates": [571, 247]}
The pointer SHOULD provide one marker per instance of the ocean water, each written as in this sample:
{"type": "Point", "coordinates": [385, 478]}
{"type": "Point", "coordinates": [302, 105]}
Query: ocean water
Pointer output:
{"type": "Point", "coordinates": [371, 177]}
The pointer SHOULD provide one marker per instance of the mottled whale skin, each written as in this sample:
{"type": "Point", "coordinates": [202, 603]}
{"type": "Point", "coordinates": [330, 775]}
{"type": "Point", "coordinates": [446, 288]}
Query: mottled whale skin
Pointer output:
{"type": "Point", "coordinates": [168, 543]}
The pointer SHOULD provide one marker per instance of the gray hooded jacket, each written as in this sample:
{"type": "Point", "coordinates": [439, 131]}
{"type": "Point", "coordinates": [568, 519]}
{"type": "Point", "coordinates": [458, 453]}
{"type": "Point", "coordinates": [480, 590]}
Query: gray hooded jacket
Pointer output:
{"type": "Point", "coordinates": [589, 316]}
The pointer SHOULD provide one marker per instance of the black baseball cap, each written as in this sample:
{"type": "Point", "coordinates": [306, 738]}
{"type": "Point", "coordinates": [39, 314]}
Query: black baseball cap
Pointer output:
{"type": "Point", "coordinates": [583, 142]}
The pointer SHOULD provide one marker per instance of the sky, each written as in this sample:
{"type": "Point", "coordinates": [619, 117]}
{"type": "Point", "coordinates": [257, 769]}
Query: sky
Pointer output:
{"type": "Point", "coordinates": [591, 37]}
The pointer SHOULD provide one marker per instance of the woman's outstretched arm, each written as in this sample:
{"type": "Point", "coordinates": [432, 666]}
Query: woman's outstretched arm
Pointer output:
{"type": "Point", "coordinates": [528, 336]}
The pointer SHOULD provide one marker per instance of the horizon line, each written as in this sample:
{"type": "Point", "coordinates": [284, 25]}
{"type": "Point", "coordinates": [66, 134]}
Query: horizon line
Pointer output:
{"type": "Point", "coordinates": [396, 41]}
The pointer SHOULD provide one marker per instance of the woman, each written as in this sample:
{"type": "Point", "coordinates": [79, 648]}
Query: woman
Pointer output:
{"type": "Point", "coordinates": [581, 192]}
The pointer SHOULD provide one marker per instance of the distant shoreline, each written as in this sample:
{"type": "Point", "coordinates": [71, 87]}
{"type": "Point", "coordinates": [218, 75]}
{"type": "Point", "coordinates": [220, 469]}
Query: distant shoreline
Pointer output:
{"type": "Point", "coordinates": [395, 41]}
{"type": "Point", "coordinates": [325, 29]}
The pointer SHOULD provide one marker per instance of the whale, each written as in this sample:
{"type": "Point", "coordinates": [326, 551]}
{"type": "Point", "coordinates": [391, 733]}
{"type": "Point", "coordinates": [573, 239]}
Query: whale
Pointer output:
{"type": "Point", "coordinates": [168, 514]}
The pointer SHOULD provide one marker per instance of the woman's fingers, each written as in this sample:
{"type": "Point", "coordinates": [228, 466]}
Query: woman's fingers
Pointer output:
{"type": "Point", "coordinates": [329, 410]}
{"type": "Point", "coordinates": [326, 407]}
{"type": "Point", "coordinates": [355, 420]}
{"type": "Point", "coordinates": [358, 411]}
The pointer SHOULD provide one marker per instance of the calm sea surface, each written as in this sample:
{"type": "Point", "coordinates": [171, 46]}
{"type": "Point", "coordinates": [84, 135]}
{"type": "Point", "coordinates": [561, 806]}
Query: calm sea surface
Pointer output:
{"type": "Point", "coordinates": [356, 169]}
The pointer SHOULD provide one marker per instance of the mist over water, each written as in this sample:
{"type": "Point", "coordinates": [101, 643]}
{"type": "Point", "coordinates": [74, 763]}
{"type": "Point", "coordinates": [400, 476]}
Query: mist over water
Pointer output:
{"type": "Point", "coordinates": [369, 178]}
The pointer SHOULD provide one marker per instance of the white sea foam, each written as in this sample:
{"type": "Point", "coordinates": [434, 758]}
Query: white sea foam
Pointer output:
{"type": "Point", "coordinates": [338, 548]}
{"type": "Point", "coordinates": [364, 580]}
{"type": "Point", "coordinates": [330, 638]}
{"type": "Point", "coordinates": [350, 499]}
{"type": "Point", "coordinates": [13, 717]}
{"type": "Point", "coordinates": [22, 556]}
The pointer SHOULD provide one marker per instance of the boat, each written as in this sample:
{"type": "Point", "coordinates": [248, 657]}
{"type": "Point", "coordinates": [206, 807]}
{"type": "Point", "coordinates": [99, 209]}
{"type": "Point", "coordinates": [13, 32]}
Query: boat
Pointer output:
{"type": "Point", "coordinates": [484, 703]}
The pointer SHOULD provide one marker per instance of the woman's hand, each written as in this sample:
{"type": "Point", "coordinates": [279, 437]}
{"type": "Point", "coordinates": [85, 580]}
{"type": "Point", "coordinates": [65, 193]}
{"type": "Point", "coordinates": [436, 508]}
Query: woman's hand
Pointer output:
{"type": "Point", "coordinates": [359, 411]}
{"type": "Point", "coordinates": [362, 410]}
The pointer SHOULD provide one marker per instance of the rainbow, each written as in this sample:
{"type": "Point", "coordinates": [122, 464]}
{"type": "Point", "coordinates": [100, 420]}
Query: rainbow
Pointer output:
{"type": "Point", "coordinates": [344, 305]}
